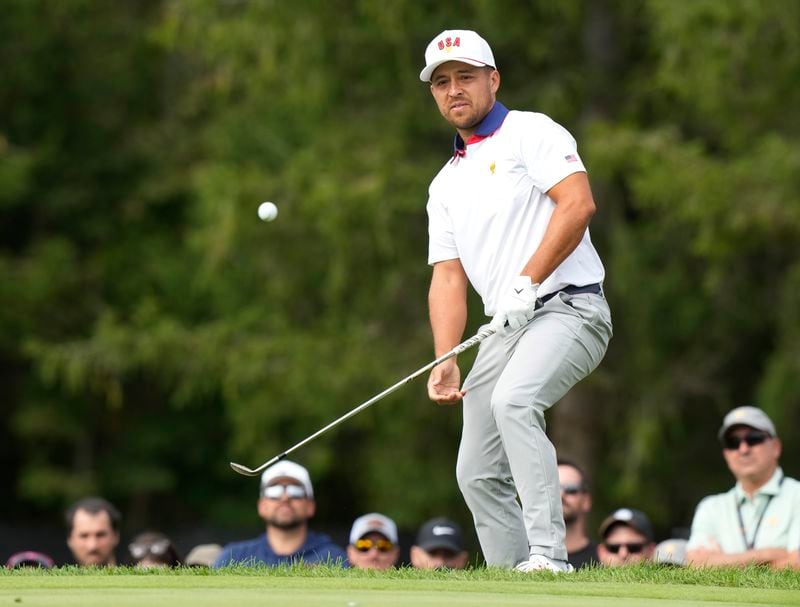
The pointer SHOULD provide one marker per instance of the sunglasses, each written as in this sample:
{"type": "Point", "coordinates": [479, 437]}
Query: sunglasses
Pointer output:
{"type": "Point", "coordinates": [573, 489]}
{"type": "Point", "coordinates": [731, 443]}
{"type": "Point", "coordinates": [366, 545]}
{"type": "Point", "coordinates": [159, 548]}
{"type": "Point", "coordinates": [276, 492]}
{"type": "Point", "coordinates": [635, 548]}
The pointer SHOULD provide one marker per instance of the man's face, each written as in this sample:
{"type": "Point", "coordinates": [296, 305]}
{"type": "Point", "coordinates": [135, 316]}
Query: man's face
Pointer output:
{"type": "Point", "coordinates": [373, 551]}
{"type": "Point", "coordinates": [464, 93]}
{"type": "Point", "coordinates": [624, 545]}
{"type": "Point", "coordinates": [288, 506]}
{"type": "Point", "coordinates": [437, 558]}
{"type": "Point", "coordinates": [93, 539]}
{"type": "Point", "coordinates": [751, 463]}
{"type": "Point", "coordinates": [575, 500]}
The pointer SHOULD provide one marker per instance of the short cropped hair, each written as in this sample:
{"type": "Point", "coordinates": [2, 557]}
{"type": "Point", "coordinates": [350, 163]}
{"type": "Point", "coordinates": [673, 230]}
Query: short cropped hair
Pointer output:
{"type": "Point", "coordinates": [93, 505]}
{"type": "Point", "coordinates": [572, 464]}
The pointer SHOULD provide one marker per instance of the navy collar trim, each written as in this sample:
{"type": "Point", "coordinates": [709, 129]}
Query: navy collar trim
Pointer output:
{"type": "Point", "coordinates": [490, 123]}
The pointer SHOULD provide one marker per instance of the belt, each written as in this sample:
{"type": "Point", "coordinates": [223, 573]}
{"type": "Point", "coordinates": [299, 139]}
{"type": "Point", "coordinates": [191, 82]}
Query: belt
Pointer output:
{"type": "Point", "coordinates": [573, 290]}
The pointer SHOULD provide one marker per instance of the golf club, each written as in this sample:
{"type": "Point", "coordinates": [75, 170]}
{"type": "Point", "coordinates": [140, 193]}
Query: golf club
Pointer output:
{"type": "Point", "coordinates": [465, 345]}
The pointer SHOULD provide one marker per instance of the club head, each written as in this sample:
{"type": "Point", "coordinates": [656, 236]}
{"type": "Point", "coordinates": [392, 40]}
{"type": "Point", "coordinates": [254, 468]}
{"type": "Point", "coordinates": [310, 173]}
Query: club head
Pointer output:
{"type": "Point", "coordinates": [244, 470]}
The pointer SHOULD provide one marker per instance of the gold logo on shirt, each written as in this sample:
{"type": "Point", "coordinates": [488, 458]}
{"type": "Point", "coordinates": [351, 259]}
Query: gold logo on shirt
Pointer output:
{"type": "Point", "coordinates": [492, 167]}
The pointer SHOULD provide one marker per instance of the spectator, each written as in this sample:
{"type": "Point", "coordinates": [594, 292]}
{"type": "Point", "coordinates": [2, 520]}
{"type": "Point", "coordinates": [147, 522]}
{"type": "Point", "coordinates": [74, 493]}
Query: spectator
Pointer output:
{"type": "Point", "coordinates": [93, 532]}
{"type": "Point", "coordinates": [153, 549]}
{"type": "Point", "coordinates": [671, 552]}
{"type": "Point", "coordinates": [286, 505]}
{"type": "Point", "coordinates": [203, 555]}
{"type": "Point", "coordinates": [373, 542]}
{"type": "Point", "coordinates": [439, 545]}
{"type": "Point", "coordinates": [627, 538]}
{"type": "Point", "coordinates": [576, 502]}
{"type": "Point", "coordinates": [29, 558]}
{"type": "Point", "coordinates": [758, 521]}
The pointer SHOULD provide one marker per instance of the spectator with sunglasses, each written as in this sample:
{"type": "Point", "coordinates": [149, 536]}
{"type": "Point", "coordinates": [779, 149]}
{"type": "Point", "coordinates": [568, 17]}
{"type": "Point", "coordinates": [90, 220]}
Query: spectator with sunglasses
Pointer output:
{"type": "Point", "coordinates": [373, 542]}
{"type": "Point", "coordinates": [628, 538]}
{"type": "Point", "coordinates": [286, 505]}
{"type": "Point", "coordinates": [758, 521]}
{"type": "Point", "coordinates": [153, 549]}
{"type": "Point", "coordinates": [576, 502]}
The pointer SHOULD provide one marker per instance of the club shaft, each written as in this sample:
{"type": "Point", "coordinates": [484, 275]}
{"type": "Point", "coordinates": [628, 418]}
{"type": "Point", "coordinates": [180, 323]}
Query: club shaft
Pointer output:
{"type": "Point", "coordinates": [463, 346]}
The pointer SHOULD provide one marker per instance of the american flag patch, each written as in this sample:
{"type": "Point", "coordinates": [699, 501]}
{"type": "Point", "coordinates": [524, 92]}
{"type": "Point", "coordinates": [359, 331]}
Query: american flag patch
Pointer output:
{"type": "Point", "coordinates": [571, 158]}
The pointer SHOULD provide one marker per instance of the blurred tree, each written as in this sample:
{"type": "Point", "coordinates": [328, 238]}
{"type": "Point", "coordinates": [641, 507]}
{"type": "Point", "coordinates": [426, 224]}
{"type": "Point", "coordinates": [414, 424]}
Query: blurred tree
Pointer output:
{"type": "Point", "coordinates": [153, 328]}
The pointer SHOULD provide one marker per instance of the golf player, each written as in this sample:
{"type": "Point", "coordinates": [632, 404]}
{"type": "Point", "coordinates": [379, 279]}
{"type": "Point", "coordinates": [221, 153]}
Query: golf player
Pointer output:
{"type": "Point", "coordinates": [508, 213]}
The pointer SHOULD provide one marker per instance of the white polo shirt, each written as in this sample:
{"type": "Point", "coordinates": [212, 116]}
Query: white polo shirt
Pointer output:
{"type": "Point", "coordinates": [489, 207]}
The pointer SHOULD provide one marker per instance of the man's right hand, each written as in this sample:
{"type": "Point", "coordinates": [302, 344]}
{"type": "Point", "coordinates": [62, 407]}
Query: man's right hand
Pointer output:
{"type": "Point", "coordinates": [444, 383]}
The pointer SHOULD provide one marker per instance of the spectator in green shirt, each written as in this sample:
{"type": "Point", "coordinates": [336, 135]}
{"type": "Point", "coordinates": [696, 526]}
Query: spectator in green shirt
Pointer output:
{"type": "Point", "coordinates": [758, 521]}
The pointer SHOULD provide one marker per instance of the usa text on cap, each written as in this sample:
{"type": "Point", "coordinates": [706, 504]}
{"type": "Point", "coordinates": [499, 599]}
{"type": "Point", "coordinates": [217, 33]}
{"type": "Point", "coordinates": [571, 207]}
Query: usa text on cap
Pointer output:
{"type": "Point", "coordinates": [456, 45]}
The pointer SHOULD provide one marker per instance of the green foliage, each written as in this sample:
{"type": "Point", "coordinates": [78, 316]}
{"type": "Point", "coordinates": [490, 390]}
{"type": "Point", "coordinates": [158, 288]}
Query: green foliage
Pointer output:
{"type": "Point", "coordinates": [152, 329]}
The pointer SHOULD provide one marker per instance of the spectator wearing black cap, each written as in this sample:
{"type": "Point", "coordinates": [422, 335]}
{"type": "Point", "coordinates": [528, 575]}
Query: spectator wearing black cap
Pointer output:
{"type": "Point", "coordinates": [758, 521]}
{"type": "Point", "coordinates": [439, 545]}
{"type": "Point", "coordinates": [93, 532]}
{"type": "Point", "coordinates": [373, 542]}
{"type": "Point", "coordinates": [628, 538]}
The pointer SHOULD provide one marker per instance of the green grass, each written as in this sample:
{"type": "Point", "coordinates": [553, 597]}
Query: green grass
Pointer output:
{"type": "Point", "coordinates": [331, 586]}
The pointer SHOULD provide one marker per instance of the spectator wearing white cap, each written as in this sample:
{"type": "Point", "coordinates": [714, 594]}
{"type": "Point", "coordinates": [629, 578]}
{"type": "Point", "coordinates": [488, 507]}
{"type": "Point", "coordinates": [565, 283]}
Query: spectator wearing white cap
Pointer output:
{"type": "Point", "coordinates": [671, 552]}
{"type": "Point", "coordinates": [203, 555]}
{"type": "Point", "coordinates": [439, 545]}
{"type": "Point", "coordinates": [373, 542]}
{"type": "Point", "coordinates": [286, 504]}
{"type": "Point", "coordinates": [758, 521]}
{"type": "Point", "coordinates": [628, 538]}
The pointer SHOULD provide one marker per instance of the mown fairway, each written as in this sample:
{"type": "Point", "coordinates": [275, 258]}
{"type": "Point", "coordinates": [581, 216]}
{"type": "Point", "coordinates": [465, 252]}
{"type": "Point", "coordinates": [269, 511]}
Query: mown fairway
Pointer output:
{"type": "Point", "coordinates": [326, 587]}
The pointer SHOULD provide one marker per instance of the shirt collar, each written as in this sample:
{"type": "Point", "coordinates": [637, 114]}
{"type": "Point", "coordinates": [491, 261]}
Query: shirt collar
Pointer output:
{"type": "Point", "coordinates": [490, 123]}
{"type": "Point", "coordinates": [771, 488]}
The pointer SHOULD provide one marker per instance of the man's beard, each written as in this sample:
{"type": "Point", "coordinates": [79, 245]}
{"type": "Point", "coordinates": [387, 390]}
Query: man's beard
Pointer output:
{"type": "Point", "coordinates": [286, 525]}
{"type": "Point", "coordinates": [570, 518]}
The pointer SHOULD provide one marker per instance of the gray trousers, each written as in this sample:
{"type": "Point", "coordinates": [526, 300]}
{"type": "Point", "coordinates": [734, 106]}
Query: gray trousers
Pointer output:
{"type": "Point", "coordinates": [504, 452]}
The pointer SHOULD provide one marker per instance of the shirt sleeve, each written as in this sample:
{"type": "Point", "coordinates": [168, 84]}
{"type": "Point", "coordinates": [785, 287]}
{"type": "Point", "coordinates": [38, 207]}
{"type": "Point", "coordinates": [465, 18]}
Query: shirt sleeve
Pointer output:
{"type": "Point", "coordinates": [549, 152]}
{"type": "Point", "coordinates": [704, 532]}
{"type": "Point", "coordinates": [441, 240]}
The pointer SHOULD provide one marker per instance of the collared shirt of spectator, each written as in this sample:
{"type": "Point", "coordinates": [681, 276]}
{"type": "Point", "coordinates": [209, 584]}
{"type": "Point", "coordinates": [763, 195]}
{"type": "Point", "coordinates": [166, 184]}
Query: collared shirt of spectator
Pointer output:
{"type": "Point", "coordinates": [628, 538]}
{"type": "Point", "coordinates": [576, 503]}
{"type": "Point", "coordinates": [758, 520]}
{"type": "Point", "coordinates": [373, 542]}
{"type": "Point", "coordinates": [286, 505]}
{"type": "Point", "coordinates": [93, 531]}
{"type": "Point", "coordinates": [439, 545]}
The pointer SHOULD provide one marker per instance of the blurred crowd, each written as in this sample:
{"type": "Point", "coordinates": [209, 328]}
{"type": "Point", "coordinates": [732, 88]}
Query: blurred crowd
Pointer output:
{"type": "Point", "coordinates": [755, 522]}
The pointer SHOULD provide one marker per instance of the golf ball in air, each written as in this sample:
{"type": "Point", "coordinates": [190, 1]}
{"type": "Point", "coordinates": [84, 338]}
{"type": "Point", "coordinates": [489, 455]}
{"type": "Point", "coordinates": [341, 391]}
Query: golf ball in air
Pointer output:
{"type": "Point", "coordinates": [267, 211]}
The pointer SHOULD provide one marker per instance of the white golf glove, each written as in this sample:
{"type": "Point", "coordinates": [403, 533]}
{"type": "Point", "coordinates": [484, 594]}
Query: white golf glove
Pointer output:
{"type": "Point", "coordinates": [517, 307]}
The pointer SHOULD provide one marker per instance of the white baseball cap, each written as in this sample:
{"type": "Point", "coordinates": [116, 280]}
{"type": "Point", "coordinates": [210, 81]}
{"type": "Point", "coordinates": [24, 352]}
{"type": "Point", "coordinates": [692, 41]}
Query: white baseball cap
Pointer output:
{"type": "Point", "coordinates": [287, 469]}
{"type": "Point", "coordinates": [747, 416]}
{"type": "Point", "coordinates": [373, 523]}
{"type": "Point", "coordinates": [456, 45]}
